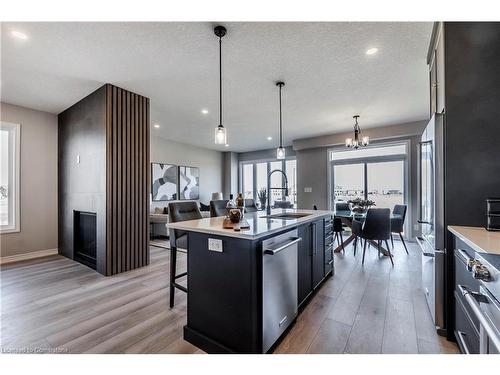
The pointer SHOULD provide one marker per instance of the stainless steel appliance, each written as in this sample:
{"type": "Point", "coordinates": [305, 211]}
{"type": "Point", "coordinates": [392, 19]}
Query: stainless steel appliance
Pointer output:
{"type": "Point", "coordinates": [279, 273]}
{"type": "Point", "coordinates": [485, 305]}
{"type": "Point", "coordinates": [431, 212]}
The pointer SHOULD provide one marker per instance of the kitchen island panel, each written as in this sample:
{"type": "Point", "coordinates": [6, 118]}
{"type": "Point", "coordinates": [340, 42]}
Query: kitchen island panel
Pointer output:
{"type": "Point", "coordinates": [224, 301]}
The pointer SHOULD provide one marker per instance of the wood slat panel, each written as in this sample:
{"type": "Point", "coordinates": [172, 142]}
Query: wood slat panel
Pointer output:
{"type": "Point", "coordinates": [127, 181]}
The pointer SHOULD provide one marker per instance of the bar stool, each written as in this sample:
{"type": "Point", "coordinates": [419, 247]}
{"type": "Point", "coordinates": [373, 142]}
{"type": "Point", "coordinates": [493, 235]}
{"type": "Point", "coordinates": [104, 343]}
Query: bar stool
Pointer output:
{"type": "Point", "coordinates": [179, 211]}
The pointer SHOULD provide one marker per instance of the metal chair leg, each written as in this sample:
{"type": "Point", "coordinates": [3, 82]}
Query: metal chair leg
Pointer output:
{"type": "Point", "coordinates": [386, 244]}
{"type": "Point", "coordinates": [173, 261]}
{"type": "Point", "coordinates": [390, 256]}
{"type": "Point", "coordinates": [364, 250]}
{"type": "Point", "coordinates": [392, 241]}
{"type": "Point", "coordinates": [342, 242]}
{"type": "Point", "coordinates": [404, 244]}
{"type": "Point", "coordinates": [355, 244]}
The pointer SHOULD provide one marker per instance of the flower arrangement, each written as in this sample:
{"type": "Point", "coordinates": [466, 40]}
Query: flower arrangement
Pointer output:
{"type": "Point", "coordinates": [359, 205]}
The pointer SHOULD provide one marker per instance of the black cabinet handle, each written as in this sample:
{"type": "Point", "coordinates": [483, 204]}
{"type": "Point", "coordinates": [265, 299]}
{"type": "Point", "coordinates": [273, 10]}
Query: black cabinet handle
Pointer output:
{"type": "Point", "coordinates": [313, 227]}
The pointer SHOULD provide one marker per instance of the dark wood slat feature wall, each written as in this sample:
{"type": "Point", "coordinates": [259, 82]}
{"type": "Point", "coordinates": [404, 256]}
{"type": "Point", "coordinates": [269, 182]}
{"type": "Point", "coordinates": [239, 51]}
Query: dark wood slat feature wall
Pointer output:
{"type": "Point", "coordinates": [128, 180]}
{"type": "Point", "coordinates": [109, 131]}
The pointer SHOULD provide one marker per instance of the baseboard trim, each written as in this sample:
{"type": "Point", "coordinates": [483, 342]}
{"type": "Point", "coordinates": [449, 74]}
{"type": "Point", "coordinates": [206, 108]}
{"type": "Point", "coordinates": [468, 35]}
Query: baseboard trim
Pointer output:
{"type": "Point", "coordinates": [27, 256]}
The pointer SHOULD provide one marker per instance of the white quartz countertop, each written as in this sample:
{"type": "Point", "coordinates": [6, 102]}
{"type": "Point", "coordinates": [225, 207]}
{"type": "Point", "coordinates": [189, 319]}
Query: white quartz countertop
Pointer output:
{"type": "Point", "coordinates": [260, 225]}
{"type": "Point", "coordinates": [478, 238]}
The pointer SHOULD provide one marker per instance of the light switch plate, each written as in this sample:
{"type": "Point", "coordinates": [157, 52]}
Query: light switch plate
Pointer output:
{"type": "Point", "coordinates": [215, 245]}
{"type": "Point", "coordinates": [308, 190]}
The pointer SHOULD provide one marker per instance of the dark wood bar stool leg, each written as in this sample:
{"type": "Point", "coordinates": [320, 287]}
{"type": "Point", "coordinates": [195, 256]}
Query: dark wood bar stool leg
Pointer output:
{"type": "Point", "coordinates": [173, 269]}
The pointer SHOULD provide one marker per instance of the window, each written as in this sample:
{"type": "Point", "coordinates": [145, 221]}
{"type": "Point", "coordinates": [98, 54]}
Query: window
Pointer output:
{"type": "Point", "coordinates": [248, 189]}
{"type": "Point", "coordinates": [9, 177]}
{"type": "Point", "coordinates": [254, 179]}
{"type": "Point", "coordinates": [377, 173]}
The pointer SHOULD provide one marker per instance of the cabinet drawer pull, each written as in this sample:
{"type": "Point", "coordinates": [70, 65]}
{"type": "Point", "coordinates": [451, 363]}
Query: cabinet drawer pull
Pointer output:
{"type": "Point", "coordinates": [470, 297]}
{"type": "Point", "coordinates": [469, 262]}
{"type": "Point", "coordinates": [461, 335]}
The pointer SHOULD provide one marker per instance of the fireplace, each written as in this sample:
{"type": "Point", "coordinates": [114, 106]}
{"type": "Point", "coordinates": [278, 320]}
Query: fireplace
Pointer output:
{"type": "Point", "coordinates": [85, 233]}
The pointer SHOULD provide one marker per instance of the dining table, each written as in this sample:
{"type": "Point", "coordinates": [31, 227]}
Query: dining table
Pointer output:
{"type": "Point", "coordinates": [347, 217]}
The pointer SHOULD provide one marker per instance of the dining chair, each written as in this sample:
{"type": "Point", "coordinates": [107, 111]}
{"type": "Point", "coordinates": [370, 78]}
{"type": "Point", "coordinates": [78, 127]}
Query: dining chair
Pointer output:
{"type": "Point", "coordinates": [250, 205]}
{"type": "Point", "coordinates": [397, 223]}
{"type": "Point", "coordinates": [179, 211]}
{"type": "Point", "coordinates": [218, 208]}
{"type": "Point", "coordinates": [376, 227]}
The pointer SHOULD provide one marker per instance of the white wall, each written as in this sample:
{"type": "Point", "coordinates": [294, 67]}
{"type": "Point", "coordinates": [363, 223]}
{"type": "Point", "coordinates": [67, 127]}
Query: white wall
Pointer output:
{"type": "Point", "coordinates": [210, 162]}
{"type": "Point", "coordinates": [38, 181]}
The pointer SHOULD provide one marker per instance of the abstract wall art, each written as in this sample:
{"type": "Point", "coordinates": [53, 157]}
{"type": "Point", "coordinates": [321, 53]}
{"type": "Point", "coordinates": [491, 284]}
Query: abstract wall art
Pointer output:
{"type": "Point", "coordinates": [164, 182]}
{"type": "Point", "coordinates": [189, 182]}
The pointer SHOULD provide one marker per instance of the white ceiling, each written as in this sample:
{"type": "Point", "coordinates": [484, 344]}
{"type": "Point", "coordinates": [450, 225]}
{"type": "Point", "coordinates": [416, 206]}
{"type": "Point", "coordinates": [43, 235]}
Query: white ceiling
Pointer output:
{"type": "Point", "coordinates": [327, 74]}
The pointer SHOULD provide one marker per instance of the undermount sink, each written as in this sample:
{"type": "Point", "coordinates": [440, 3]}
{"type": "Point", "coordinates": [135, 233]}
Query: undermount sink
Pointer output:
{"type": "Point", "coordinates": [287, 216]}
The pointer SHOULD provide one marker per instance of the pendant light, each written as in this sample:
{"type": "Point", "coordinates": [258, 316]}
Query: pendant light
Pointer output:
{"type": "Point", "coordinates": [356, 143]}
{"type": "Point", "coordinates": [220, 130]}
{"type": "Point", "coordinates": [280, 151]}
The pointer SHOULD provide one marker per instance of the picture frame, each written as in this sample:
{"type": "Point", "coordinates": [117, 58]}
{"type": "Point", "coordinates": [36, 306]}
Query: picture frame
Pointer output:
{"type": "Point", "coordinates": [189, 183]}
{"type": "Point", "coordinates": [164, 182]}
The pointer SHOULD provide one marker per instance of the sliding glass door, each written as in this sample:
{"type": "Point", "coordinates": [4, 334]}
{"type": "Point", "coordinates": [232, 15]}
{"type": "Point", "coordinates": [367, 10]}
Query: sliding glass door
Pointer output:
{"type": "Point", "coordinates": [375, 173]}
{"type": "Point", "coordinates": [349, 181]}
{"type": "Point", "coordinates": [385, 182]}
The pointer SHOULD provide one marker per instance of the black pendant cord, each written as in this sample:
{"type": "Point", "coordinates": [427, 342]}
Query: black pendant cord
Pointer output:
{"type": "Point", "coordinates": [281, 124]}
{"type": "Point", "coordinates": [280, 85]}
{"type": "Point", "coordinates": [220, 81]}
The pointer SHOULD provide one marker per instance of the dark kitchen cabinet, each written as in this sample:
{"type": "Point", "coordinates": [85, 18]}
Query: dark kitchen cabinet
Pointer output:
{"type": "Point", "coordinates": [315, 261]}
{"type": "Point", "coordinates": [304, 263]}
{"type": "Point", "coordinates": [318, 252]}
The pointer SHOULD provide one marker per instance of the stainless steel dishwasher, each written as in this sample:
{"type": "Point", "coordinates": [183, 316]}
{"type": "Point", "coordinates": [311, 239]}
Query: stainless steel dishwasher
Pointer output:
{"type": "Point", "coordinates": [279, 285]}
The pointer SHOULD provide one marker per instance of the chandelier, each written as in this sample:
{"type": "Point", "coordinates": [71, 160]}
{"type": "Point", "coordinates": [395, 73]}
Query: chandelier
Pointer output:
{"type": "Point", "coordinates": [356, 143]}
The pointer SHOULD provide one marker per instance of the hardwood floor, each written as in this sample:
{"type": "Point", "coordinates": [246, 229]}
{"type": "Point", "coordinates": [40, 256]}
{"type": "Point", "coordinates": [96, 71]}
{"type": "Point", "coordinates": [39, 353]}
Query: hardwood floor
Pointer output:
{"type": "Point", "coordinates": [373, 308]}
{"type": "Point", "coordinates": [55, 305]}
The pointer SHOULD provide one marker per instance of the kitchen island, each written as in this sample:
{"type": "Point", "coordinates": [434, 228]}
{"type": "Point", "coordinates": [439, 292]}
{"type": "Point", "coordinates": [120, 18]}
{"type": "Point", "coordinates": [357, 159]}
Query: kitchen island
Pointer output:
{"type": "Point", "coordinates": [246, 287]}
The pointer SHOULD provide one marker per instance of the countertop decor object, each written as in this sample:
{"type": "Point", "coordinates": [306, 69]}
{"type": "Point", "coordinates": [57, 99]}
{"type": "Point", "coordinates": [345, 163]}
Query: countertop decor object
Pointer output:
{"type": "Point", "coordinates": [262, 195]}
{"type": "Point", "coordinates": [234, 215]}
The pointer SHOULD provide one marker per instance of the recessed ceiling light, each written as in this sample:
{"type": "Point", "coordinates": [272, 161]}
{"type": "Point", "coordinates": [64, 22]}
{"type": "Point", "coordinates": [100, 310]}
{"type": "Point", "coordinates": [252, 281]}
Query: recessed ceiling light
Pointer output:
{"type": "Point", "coordinates": [269, 138]}
{"type": "Point", "coordinates": [372, 51]}
{"type": "Point", "coordinates": [204, 111]}
{"type": "Point", "coordinates": [227, 145]}
{"type": "Point", "coordinates": [19, 35]}
{"type": "Point", "coordinates": [157, 126]}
